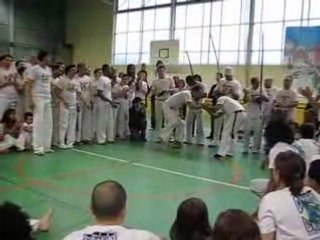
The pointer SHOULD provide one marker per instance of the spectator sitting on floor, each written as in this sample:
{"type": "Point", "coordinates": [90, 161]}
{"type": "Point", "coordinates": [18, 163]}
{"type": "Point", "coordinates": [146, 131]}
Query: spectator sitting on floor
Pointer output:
{"type": "Point", "coordinates": [108, 205]}
{"type": "Point", "coordinates": [192, 221]}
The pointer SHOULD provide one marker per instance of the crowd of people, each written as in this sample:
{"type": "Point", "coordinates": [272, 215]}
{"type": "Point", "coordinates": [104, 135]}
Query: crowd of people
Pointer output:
{"type": "Point", "coordinates": [45, 105]}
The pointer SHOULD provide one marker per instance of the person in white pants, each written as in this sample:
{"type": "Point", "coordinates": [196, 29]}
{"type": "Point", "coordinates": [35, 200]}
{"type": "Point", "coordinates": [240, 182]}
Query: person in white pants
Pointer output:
{"type": "Point", "coordinates": [84, 105]}
{"type": "Point", "coordinates": [67, 90]}
{"type": "Point", "coordinates": [161, 88]}
{"type": "Point", "coordinates": [95, 99]}
{"type": "Point", "coordinates": [24, 140]}
{"type": "Point", "coordinates": [8, 84]}
{"type": "Point", "coordinates": [194, 115]}
{"type": "Point", "coordinates": [40, 92]}
{"type": "Point", "coordinates": [235, 117]}
{"type": "Point", "coordinates": [254, 99]}
{"type": "Point", "coordinates": [268, 106]}
{"type": "Point", "coordinates": [105, 123]}
{"type": "Point", "coordinates": [175, 125]}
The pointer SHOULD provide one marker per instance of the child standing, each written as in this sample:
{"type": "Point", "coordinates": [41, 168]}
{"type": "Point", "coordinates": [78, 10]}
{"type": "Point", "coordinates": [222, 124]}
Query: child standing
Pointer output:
{"type": "Point", "coordinates": [137, 120]}
{"type": "Point", "coordinates": [25, 138]}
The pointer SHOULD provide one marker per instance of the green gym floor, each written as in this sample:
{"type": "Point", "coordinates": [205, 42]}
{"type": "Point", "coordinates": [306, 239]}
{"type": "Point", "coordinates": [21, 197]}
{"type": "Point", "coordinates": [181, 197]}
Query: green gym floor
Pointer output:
{"type": "Point", "coordinates": [156, 178]}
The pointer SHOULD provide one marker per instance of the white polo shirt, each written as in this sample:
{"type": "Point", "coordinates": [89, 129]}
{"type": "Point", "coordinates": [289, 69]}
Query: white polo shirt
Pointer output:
{"type": "Point", "coordinates": [85, 85]}
{"type": "Point", "coordinates": [179, 99]}
{"type": "Point", "coordinates": [41, 78]}
{"type": "Point", "coordinates": [70, 88]}
{"type": "Point", "coordinates": [111, 233]}
{"type": "Point", "coordinates": [233, 85]}
{"type": "Point", "coordinates": [9, 91]}
{"type": "Point", "coordinates": [161, 85]}
{"type": "Point", "coordinates": [229, 105]}
{"type": "Point", "coordinates": [291, 218]}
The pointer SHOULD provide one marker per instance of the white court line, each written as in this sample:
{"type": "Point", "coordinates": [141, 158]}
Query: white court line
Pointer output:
{"type": "Point", "coordinates": [162, 170]}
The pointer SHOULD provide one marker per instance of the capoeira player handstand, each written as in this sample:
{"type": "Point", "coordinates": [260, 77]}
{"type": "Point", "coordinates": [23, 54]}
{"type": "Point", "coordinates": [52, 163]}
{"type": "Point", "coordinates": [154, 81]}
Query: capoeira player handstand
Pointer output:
{"type": "Point", "coordinates": [175, 125]}
{"type": "Point", "coordinates": [235, 117]}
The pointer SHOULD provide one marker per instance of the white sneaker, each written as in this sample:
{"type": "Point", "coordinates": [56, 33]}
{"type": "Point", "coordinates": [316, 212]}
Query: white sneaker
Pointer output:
{"type": "Point", "coordinates": [63, 146]}
{"type": "Point", "coordinates": [39, 152]}
{"type": "Point", "coordinates": [49, 151]}
{"type": "Point", "coordinates": [69, 146]}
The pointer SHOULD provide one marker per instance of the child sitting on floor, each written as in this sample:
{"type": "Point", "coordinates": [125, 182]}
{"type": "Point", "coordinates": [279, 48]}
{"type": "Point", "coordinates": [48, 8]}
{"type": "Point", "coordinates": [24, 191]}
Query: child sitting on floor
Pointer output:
{"type": "Point", "coordinates": [9, 130]}
{"type": "Point", "coordinates": [137, 120]}
{"type": "Point", "coordinates": [25, 137]}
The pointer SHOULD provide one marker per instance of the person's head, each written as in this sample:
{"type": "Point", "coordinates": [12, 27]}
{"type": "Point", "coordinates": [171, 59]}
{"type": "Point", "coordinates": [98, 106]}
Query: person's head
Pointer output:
{"type": "Point", "coordinates": [71, 71]}
{"type": "Point", "coordinates": [289, 171]}
{"type": "Point", "coordinates": [14, 223]}
{"type": "Point", "coordinates": [131, 70]}
{"type": "Point", "coordinates": [287, 82]}
{"type": "Point", "coordinates": [28, 117]}
{"type": "Point", "coordinates": [138, 104]}
{"type": "Point", "coordinates": [6, 61]}
{"type": "Point", "coordinates": [21, 70]}
{"type": "Point", "coordinates": [19, 64]}
{"type": "Point", "coordinates": [228, 73]}
{"type": "Point", "coordinates": [219, 76]}
{"type": "Point", "coordinates": [278, 130]}
{"type": "Point", "coordinates": [307, 131]}
{"type": "Point", "coordinates": [108, 202]}
{"type": "Point", "coordinates": [190, 81]}
{"type": "Point", "coordinates": [313, 178]}
{"type": "Point", "coordinates": [88, 71]}
{"type": "Point", "coordinates": [268, 82]}
{"type": "Point", "coordinates": [56, 70]}
{"type": "Point", "coordinates": [175, 79]}
{"type": "Point", "coordinates": [33, 60]}
{"type": "Point", "coordinates": [106, 69]}
{"type": "Point", "coordinates": [125, 79]}
{"type": "Point", "coordinates": [82, 69]}
{"type": "Point", "coordinates": [235, 224]}
{"type": "Point", "coordinates": [161, 70]}
{"type": "Point", "coordinates": [192, 221]}
{"type": "Point", "coordinates": [121, 74]}
{"type": "Point", "coordinates": [142, 75]}
{"type": "Point", "coordinates": [254, 82]}
{"type": "Point", "coordinates": [197, 92]}
{"type": "Point", "coordinates": [43, 57]}
{"type": "Point", "coordinates": [197, 78]}
{"type": "Point", "coordinates": [143, 67]}
{"type": "Point", "coordinates": [9, 116]}
{"type": "Point", "coordinates": [159, 62]}
{"type": "Point", "coordinates": [180, 84]}
{"type": "Point", "coordinates": [97, 73]}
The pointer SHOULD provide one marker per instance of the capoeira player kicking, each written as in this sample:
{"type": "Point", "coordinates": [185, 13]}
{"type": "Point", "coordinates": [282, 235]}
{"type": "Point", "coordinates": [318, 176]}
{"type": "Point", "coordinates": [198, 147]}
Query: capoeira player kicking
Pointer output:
{"type": "Point", "coordinates": [175, 125]}
{"type": "Point", "coordinates": [235, 117]}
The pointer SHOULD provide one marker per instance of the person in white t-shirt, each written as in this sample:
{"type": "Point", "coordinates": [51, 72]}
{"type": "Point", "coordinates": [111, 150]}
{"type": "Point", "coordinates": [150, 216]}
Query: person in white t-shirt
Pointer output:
{"type": "Point", "coordinates": [292, 211]}
{"type": "Point", "coordinates": [268, 106]}
{"type": "Point", "coordinates": [8, 84]}
{"type": "Point", "coordinates": [67, 91]}
{"type": "Point", "coordinates": [105, 117]}
{"type": "Point", "coordinates": [286, 100]}
{"type": "Point", "coordinates": [40, 92]}
{"type": "Point", "coordinates": [95, 99]}
{"type": "Point", "coordinates": [254, 99]}
{"type": "Point", "coordinates": [235, 117]}
{"type": "Point", "coordinates": [141, 86]}
{"type": "Point", "coordinates": [161, 88]}
{"type": "Point", "coordinates": [108, 205]}
{"type": "Point", "coordinates": [175, 125]}
{"type": "Point", "coordinates": [84, 105]}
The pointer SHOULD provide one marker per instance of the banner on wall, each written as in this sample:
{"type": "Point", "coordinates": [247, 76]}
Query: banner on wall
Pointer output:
{"type": "Point", "coordinates": [302, 56]}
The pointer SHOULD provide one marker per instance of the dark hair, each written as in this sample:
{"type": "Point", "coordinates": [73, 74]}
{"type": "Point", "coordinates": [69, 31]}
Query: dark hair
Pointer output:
{"type": "Point", "coordinates": [68, 68]}
{"type": "Point", "coordinates": [97, 70]}
{"type": "Point", "coordinates": [235, 224]}
{"type": "Point", "coordinates": [14, 223]}
{"type": "Point", "coordinates": [254, 79]}
{"type": "Point", "coordinates": [196, 88]}
{"type": "Point", "coordinates": [136, 100]}
{"type": "Point", "coordinates": [18, 63]}
{"type": "Point", "coordinates": [197, 76]}
{"type": "Point", "coordinates": [42, 55]}
{"type": "Point", "coordinates": [129, 66]}
{"type": "Point", "coordinates": [105, 67]}
{"type": "Point", "coordinates": [108, 199]}
{"type": "Point", "coordinates": [4, 56]}
{"type": "Point", "coordinates": [137, 84]}
{"type": "Point", "coordinates": [55, 67]}
{"type": "Point", "coordinates": [21, 70]}
{"type": "Point", "coordinates": [278, 130]}
{"type": "Point", "coordinates": [160, 67]}
{"type": "Point", "coordinates": [220, 74]}
{"type": "Point", "coordinates": [314, 171]}
{"type": "Point", "coordinates": [6, 117]}
{"type": "Point", "coordinates": [189, 79]}
{"type": "Point", "coordinates": [291, 168]}
{"type": "Point", "coordinates": [28, 114]}
{"type": "Point", "coordinates": [159, 62]}
{"type": "Point", "coordinates": [307, 130]}
{"type": "Point", "coordinates": [192, 221]}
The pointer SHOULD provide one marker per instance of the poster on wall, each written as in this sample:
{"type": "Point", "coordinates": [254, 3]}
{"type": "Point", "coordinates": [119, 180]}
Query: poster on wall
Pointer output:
{"type": "Point", "coordinates": [167, 51]}
{"type": "Point", "coordinates": [302, 56]}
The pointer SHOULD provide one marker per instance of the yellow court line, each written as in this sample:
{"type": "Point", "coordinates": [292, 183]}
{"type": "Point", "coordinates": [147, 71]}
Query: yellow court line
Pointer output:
{"type": "Point", "coordinates": [162, 170]}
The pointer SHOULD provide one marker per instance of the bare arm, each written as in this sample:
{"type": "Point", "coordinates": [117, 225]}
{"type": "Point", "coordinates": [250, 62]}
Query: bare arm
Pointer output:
{"type": "Point", "coordinates": [268, 236]}
{"type": "Point", "coordinates": [103, 97]}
